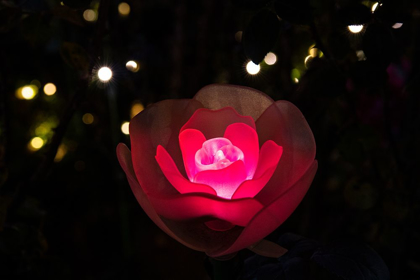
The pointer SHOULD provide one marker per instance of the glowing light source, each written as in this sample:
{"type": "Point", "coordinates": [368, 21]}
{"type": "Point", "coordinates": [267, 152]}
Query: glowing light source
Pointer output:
{"type": "Point", "coordinates": [270, 58]}
{"type": "Point", "coordinates": [360, 55]}
{"type": "Point", "coordinates": [50, 89]}
{"type": "Point", "coordinates": [397, 25]}
{"type": "Point", "coordinates": [132, 66]}
{"type": "Point", "coordinates": [125, 128]}
{"type": "Point", "coordinates": [61, 152]}
{"type": "Point", "coordinates": [105, 74]}
{"type": "Point", "coordinates": [252, 68]}
{"type": "Point", "coordinates": [124, 9]}
{"type": "Point", "coordinates": [88, 118]}
{"type": "Point", "coordinates": [295, 75]}
{"type": "Point", "coordinates": [374, 7]}
{"type": "Point", "coordinates": [27, 92]}
{"type": "Point", "coordinates": [136, 108]}
{"type": "Point", "coordinates": [90, 15]}
{"type": "Point", "coordinates": [355, 28]}
{"type": "Point", "coordinates": [36, 143]}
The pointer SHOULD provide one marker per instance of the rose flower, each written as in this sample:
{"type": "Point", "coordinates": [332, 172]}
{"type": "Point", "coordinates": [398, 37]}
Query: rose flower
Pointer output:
{"type": "Point", "coordinates": [221, 171]}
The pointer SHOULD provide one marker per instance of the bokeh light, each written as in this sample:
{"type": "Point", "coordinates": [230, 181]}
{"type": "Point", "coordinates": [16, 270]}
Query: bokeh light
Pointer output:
{"type": "Point", "coordinates": [136, 108]}
{"type": "Point", "coordinates": [270, 58]}
{"type": "Point", "coordinates": [252, 68]}
{"type": "Point", "coordinates": [90, 15]}
{"type": "Point", "coordinates": [124, 9]}
{"type": "Point", "coordinates": [355, 28]}
{"type": "Point", "coordinates": [397, 25]}
{"type": "Point", "coordinates": [36, 143]}
{"type": "Point", "coordinates": [88, 118]}
{"type": "Point", "coordinates": [104, 74]}
{"type": "Point", "coordinates": [50, 89]}
{"type": "Point", "coordinates": [125, 128]}
{"type": "Point", "coordinates": [295, 75]}
{"type": "Point", "coordinates": [27, 92]}
{"type": "Point", "coordinates": [132, 66]}
{"type": "Point", "coordinates": [374, 6]}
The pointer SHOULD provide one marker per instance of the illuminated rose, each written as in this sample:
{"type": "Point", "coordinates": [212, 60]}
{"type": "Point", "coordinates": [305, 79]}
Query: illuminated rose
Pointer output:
{"type": "Point", "coordinates": [221, 171]}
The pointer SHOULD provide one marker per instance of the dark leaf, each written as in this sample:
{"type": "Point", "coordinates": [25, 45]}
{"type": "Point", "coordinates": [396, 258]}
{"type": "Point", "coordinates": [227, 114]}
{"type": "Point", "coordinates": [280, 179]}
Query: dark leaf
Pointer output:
{"type": "Point", "coordinates": [68, 14]}
{"type": "Point", "coordinates": [75, 56]}
{"type": "Point", "coordinates": [261, 35]}
{"type": "Point", "coordinates": [379, 44]}
{"type": "Point", "coordinates": [76, 4]}
{"type": "Point", "coordinates": [298, 12]}
{"type": "Point", "coordinates": [390, 13]}
{"type": "Point", "coordinates": [352, 261]}
{"type": "Point", "coordinates": [354, 14]}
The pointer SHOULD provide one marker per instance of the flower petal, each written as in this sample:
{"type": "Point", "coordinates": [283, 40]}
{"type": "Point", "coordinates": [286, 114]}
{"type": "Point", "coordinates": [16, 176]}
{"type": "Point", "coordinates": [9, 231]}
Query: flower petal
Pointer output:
{"type": "Point", "coordinates": [224, 181]}
{"type": "Point", "coordinates": [246, 101]}
{"type": "Point", "coordinates": [174, 177]}
{"type": "Point", "coordinates": [190, 141]}
{"type": "Point", "coordinates": [194, 206]}
{"type": "Point", "coordinates": [124, 157]}
{"type": "Point", "coordinates": [284, 124]}
{"type": "Point", "coordinates": [246, 139]}
{"type": "Point", "coordinates": [158, 124]}
{"type": "Point", "coordinates": [214, 123]}
{"type": "Point", "coordinates": [272, 215]}
{"type": "Point", "coordinates": [270, 155]}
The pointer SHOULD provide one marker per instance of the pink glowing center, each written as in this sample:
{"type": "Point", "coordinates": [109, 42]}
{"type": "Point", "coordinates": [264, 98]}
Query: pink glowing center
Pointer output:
{"type": "Point", "coordinates": [217, 153]}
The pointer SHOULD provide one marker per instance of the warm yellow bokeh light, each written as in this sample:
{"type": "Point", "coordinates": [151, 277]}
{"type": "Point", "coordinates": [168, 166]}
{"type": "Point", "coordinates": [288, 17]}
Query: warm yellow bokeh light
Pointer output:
{"type": "Point", "coordinates": [124, 9]}
{"type": "Point", "coordinates": [355, 28]}
{"type": "Point", "coordinates": [270, 58]}
{"type": "Point", "coordinates": [88, 118]}
{"type": "Point", "coordinates": [27, 92]}
{"type": "Point", "coordinates": [50, 89]}
{"type": "Point", "coordinates": [375, 6]}
{"type": "Point", "coordinates": [105, 74]}
{"type": "Point", "coordinates": [61, 152]}
{"type": "Point", "coordinates": [90, 15]}
{"type": "Point", "coordinates": [252, 68]}
{"type": "Point", "coordinates": [397, 25]}
{"type": "Point", "coordinates": [125, 128]}
{"type": "Point", "coordinates": [136, 108]}
{"type": "Point", "coordinates": [36, 143]}
{"type": "Point", "coordinates": [132, 66]}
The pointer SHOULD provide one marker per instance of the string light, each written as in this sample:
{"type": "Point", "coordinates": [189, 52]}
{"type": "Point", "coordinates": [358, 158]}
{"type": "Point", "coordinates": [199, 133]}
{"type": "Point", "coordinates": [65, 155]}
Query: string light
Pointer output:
{"type": "Point", "coordinates": [105, 74]}
{"type": "Point", "coordinates": [252, 68]}
{"type": "Point", "coordinates": [50, 89]}
{"type": "Point", "coordinates": [125, 128]}
{"type": "Point", "coordinates": [88, 118]}
{"type": "Point", "coordinates": [132, 66]}
{"type": "Point", "coordinates": [270, 58]}
{"type": "Point", "coordinates": [124, 9]}
{"type": "Point", "coordinates": [355, 28]}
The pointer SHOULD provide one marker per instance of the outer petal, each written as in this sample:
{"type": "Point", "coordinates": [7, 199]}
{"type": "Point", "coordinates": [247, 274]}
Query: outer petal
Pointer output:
{"type": "Point", "coordinates": [195, 206]}
{"type": "Point", "coordinates": [190, 141]}
{"type": "Point", "coordinates": [225, 181]}
{"type": "Point", "coordinates": [173, 175]}
{"type": "Point", "coordinates": [284, 123]}
{"type": "Point", "coordinates": [214, 123]}
{"type": "Point", "coordinates": [269, 157]}
{"type": "Point", "coordinates": [246, 101]}
{"type": "Point", "coordinates": [272, 215]}
{"type": "Point", "coordinates": [124, 157]}
{"type": "Point", "coordinates": [158, 124]}
{"type": "Point", "coordinates": [245, 138]}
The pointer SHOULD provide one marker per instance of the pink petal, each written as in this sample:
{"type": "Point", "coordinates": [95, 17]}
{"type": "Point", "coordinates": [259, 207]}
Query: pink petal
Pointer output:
{"type": "Point", "coordinates": [124, 157]}
{"type": "Point", "coordinates": [270, 155]}
{"type": "Point", "coordinates": [224, 181]}
{"type": "Point", "coordinates": [158, 124]}
{"type": "Point", "coordinates": [214, 123]}
{"type": "Point", "coordinates": [272, 215]}
{"type": "Point", "coordinates": [284, 124]}
{"type": "Point", "coordinates": [197, 206]}
{"type": "Point", "coordinates": [246, 139]}
{"type": "Point", "coordinates": [190, 141]}
{"type": "Point", "coordinates": [173, 175]}
{"type": "Point", "coordinates": [246, 101]}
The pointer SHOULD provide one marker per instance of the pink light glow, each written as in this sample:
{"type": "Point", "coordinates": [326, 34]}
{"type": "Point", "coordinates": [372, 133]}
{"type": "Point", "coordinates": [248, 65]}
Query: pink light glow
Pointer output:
{"type": "Point", "coordinates": [227, 166]}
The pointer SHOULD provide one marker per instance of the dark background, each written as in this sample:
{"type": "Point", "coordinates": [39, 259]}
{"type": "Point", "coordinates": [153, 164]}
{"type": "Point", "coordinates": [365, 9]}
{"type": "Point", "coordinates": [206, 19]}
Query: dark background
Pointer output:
{"type": "Point", "coordinates": [75, 217]}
